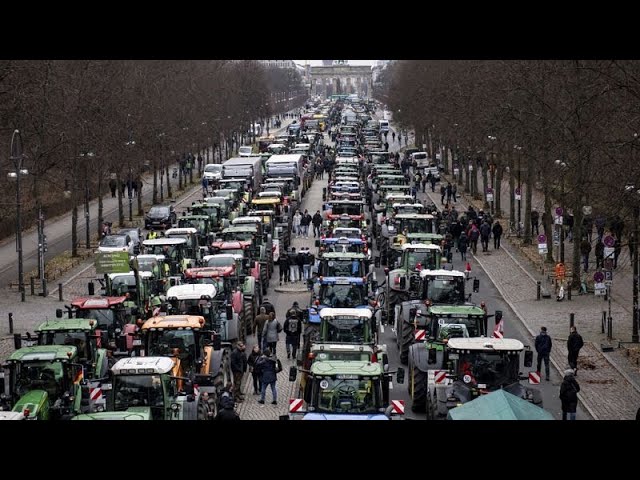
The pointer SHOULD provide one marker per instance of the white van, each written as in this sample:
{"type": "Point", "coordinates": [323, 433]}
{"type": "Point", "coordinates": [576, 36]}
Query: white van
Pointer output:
{"type": "Point", "coordinates": [245, 150]}
{"type": "Point", "coordinates": [384, 126]}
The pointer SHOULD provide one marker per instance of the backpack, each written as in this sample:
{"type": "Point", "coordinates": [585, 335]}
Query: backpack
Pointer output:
{"type": "Point", "coordinates": [293, 325]}
{"type": "Point", "coordinates": [278, 326]}
{"type": "Point", "coordinates": [474, 234]}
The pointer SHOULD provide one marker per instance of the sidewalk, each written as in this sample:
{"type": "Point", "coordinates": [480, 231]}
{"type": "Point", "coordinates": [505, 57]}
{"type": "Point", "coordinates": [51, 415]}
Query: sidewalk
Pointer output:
{"type": "Point", "coordinates": [608, 392]}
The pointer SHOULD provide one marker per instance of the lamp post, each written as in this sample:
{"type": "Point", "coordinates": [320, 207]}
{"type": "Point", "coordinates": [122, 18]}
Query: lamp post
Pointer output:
{"type": "Point", "coordinates": [492, 169]}
{"type": "Point", "coordinates": [18, 158]}
{"type": "Point", "coordinates": [563, 168]}
{"type": "Point", "coordinates": [161, 137]}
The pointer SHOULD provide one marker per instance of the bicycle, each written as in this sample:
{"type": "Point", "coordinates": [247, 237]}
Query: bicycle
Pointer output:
{"type": "Point", "coordinates": [517, 231]}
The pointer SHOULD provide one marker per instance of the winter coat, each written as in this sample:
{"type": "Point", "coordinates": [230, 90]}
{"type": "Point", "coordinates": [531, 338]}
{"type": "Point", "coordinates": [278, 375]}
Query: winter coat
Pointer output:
{"type": "Point", "coordinates": [574, 342]}
{"type": "Point", "coordinates": [497, 230]}
{"type": "Point", "coordinates": [227, 414]}
{"type": "Point", "coordinates": [261, 320]}
{"type": "Point", "coordinates": [463, 242]}
{"type": "Point", "coordinates": [271, 331]}
{"type": "Point", "coordinates": [600, 249]}
{"type": "Point", "coordinates": [306, 220]}
{"type": "Point", "coordinates": [585, 247]}
{"type": "Point", "coordinates": [266, 367]}
{"type": "Point", "coordinates": [238, 361]}
{"type": "Point", "coordinates": [543, 344]}
{"type": "Point", "coordinates": [297, 218]}
{"type": "Point", "coordinates": [569, 394]}
{"type": "Point", "coordinates": [485, 230]}
{"type": "Point", "coordinates": [284, 261]}
{"type": "Point", "coordinates": [253, 358]}
{"type": "Point", "coordinates": [317, 219]}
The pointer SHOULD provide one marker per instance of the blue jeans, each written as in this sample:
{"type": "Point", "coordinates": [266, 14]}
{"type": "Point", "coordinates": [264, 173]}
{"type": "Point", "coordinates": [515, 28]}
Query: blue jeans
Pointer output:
{"type": "Point", "coordinates": [274, 392]}
{"type": "Point", "coordinates": [545, 357]}
{"type": "Point", "coordinates": [307, 271]}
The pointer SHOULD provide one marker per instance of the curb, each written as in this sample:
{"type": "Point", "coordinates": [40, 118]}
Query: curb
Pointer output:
{"type": "Point", "coordinates": [508, 302]}
{"type": "Point", "coordinates": [290, 290]}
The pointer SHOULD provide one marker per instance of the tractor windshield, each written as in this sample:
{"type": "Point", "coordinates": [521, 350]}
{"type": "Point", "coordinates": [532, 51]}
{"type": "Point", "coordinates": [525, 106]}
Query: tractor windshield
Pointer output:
{"type": "Point", "coordinates": [162, 343]}
{"type": "Point", "coordinates": [346, 208]}
{"type": "Point", "coordinates": [65, 337]}
{"type": "Point", "coordinates": [104, 316]}
{"type": "Point", "coordinates": [346, 330]}
{"type": "Point", "coordinates": [426, 259]}
{"type": "Point", "coordinates": [343, 296]}
{"type": "Point", "coordinates": [494, 369]}
{"type": "Point", "coordinates": [238, 236]}
{"type": "Point", "coordinates": [344, 268]}
{"type": "Point", "coordinates": [148, 265]}
{"type": "Point", "coordinates": [139, 391]}
{"type": "Point", "coordinates": [190, 306]}
{"type": "Point", "coordinates": [39, 376]}
{"type": "Point", "coordinates": [335, 395]}
{"type": "Point", "coordinates": [445, 290]}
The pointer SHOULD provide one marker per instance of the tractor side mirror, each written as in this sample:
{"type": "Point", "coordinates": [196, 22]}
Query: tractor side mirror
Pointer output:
{"type": "Point", "coordinates": [400, 376]}
{"type": "Point", "coordinates": [58, 313]}
{"type": "Point", "coordinates": [476, 285]}
{"type": "Point", "coordinates": [376, 262]}
{"type": "Point", "coordinates": [528, 358]}
{"type": "Point", "coordinates": [317, 243]}
{"type": "Point", "coordinates": [293, 373]}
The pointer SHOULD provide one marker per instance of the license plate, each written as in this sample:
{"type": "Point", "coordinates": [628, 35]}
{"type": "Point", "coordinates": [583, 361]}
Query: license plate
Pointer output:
{"type": "Point", "coordinates": [156, 223]}
{"type": "Point", "coordinates": [137, 341]}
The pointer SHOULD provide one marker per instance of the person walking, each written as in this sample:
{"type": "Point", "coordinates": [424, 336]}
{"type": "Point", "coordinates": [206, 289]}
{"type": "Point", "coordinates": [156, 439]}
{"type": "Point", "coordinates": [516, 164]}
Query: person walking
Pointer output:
{"type": "Point", "coordinates": [255, 354]}
{"type": "Point", "coordinates": [113, 186]}
{"type": "Point", "coordinates": [261, 320]}
{"type": "Point", "coordinates": [292, 328]}
{"type": "Point", "coordinates": [433, 184]}
{"type": "Point", "coordinates": [309, 260]}
{"type": "Point", "coordinates": [569, 395]}
{"type": "Point", "coordinates": [463, 243]}
{"type": "Point", "coordinates": [317, 222]}
{"type": "Point", "coordinates": [393, 136]}
{"type": "Point", "coordinates": [485, 233]}
{"type": "Point", "coordinates": [205, 186]}
{"type": "Point", "coordinates": [497, 233]}
{"type": "Point", "coordinates": [449, 192]}
{"type": "Point", "coordinates": [443, 193]}
{"type": "Point", "coordinates": [305, 221]}
{"type": "Point", "coordinates": [574, 344]}
{"type": "Point", "coordinates": [300, 263]}
{"type": "Point", "coordinates": [599, 253]}
{"type": "Point", "coordinates": [238, 362]}
{"type": "Point", "coordinates": [543, 348]}
{"type": "Point", "coordinates": [293, 265]}
{"type": "Point", "coordinates": [267, 367]}
{"type": "Point", "coordinates": [454, 192]}
{"type": "Point", "coordinates": [295, 225]}
{"type": "Point", "coordinates": [283, 267]}
{"type": "Point", "coordinates": [535, 217]}
{"type": "Point", "coordinates": [271, 330]}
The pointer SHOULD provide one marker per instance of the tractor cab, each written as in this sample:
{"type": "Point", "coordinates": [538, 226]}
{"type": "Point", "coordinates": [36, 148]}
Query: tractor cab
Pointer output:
{"type": "Point", "coordinates": [192, 249]}
{"type": "Point", "coordinates": [344, 265]}
{"type": "Point", "coordinates": [445, 287]}
{"type": "Point", "coordinates": [173, 249]}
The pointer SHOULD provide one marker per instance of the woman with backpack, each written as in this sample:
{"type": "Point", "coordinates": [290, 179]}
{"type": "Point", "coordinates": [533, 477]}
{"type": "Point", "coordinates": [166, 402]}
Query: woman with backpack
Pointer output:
{"type": "Point", "coordinates": [267, 366]}
{"type": "Point", "coordinates": [292, 331]}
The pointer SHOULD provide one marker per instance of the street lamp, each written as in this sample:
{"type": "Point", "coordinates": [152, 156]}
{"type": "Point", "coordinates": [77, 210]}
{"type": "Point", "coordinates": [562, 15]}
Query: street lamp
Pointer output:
{"type": "Point", "coordinates": [563, 166]}
{"type": "Point", "coordinates": [18, 159]}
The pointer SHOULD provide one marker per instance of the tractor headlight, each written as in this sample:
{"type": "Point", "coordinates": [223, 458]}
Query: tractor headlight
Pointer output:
{"type": "Point", "coordinates": [175, 407]}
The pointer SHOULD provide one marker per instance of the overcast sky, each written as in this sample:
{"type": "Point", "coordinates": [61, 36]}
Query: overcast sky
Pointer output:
{"type": "Point", "coordinates": [351, 62]}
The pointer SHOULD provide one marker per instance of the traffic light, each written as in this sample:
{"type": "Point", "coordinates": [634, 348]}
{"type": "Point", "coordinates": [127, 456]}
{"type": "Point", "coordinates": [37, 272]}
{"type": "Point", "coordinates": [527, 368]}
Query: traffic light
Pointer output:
{"type": "Point", "coordinates": [44, 243]}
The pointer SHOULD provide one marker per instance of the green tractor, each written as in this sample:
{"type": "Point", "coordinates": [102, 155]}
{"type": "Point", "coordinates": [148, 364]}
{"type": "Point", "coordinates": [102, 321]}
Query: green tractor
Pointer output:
{"type": "Point", "coordinates": [437, 288]}
{"type": "Point", "coordinates": [42, 382]}
{"type": "Point", "coordinates": [469, 368]}
{"type": "Point", "coordinates": [403, 276]}
{"type": "Point", "coordinates": [144, 388]}
{"type": "Point", "coordinates": [425, 337]}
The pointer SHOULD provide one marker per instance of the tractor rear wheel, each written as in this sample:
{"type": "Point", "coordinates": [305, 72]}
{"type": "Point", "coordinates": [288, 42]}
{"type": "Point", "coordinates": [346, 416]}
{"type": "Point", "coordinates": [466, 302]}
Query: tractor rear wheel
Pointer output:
{"type": "Point", "coordinates": [264, 280]}
{"type": "Point", "coordinates": [418, 389]}
{"type": "Point", "coordinates": [406, 339]}
{"type": "Point", "coordinates": [248, 318]}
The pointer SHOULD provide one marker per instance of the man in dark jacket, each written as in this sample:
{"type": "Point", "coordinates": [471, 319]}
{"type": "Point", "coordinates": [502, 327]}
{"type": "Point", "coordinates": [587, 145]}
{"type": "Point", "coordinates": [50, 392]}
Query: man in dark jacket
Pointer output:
{"type": "Point", "coordinates": [266, 365]}
{"type": "Point", "coordinates": [238, 367]}
{"type": "Point", "coordinates": [574, 344]}
{"type": "Point", "coordinates": [283, 267]}
{"type": "Point", "coordinates": [585, 250]}
{"type": "Point", "coordinates": [569, 395]}
{"type": "Point", "coordinates": [227, 412]}
{"type": "Point", "coordinates": [317, 222]}
{"type": "Point", "coordinates": [485, 233]}
{"type": "Point", "coordinates": [292, 329]}
{"type": "Point", "coordinates": [261, 320]}
{"type": "Point", "coordinates": [599, 253]}
{"type": "Point", "coordinates": [543, 348]}
{"type": "Point", "coordinates": [497, 233]}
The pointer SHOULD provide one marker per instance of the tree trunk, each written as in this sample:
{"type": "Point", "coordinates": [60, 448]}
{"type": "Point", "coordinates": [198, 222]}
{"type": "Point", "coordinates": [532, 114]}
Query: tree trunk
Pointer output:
{"type": "Point", "coordinates": [180, 175]}
{"type": "Point", "coordinates": [169, 194]}
{"type": "Point", "coordinates": [577, 240]}
{"type": "Point", "coordinates": [498, 191]}
{"type": "Point", "coordinates": [120, 206]}
{"type": "Point", "coordinates": [154, 200]}
{"type": "Point", "coordinates": [485, 184]}
{"type": "Point", "coordinates": [512, 215]}
{"type": "Point", "coordinates": [140, 211]}
{"type": "Point", "coordinates": [100, 207]}
{"type": "Point", "coordinates": [74, 224]}
{"type": "Point", "coordinates": [527, 211]}
{"type": "Point", "coordinates": [548, 224]}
